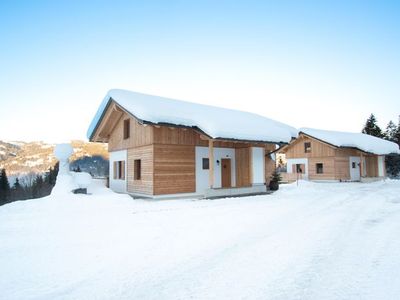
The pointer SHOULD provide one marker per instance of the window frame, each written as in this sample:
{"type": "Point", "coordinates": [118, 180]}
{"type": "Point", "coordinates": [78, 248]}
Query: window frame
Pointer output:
{"type": "Point", "coordinates": [319, 170]}
{"type": "Point", "coordinates": [137, 169]}
{"type": "Point", "coordinates": [127, 129]}
{"type": "Point", "coordinates": [307, 149]}
{"type": "Point", "coordinates": [119, 170]}
{"type": "Point", "coordinates": [206, 163]}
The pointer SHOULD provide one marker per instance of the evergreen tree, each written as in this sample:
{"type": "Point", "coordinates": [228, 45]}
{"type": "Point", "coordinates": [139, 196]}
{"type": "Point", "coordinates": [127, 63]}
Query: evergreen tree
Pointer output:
{"type": "Point", "coordinates": [53, 174]}
{"type": "Point", "coordinates": [17, 191]}
{"type": "Point", "coordinates": [396, 137]}
{"type": "Point", "coordinates": [16, 185]}
{"type": "Point", "coordinates": [275, 180]}
{"type": "Point", "coordinates": [371, 127]}
{"type": "Point", "coordinates": [390, 132]}
{"type": "Point", "coordinates": [37, 189]}
{"type": "Point", "coordinates": [392, 162]}
{"type": "Point", "coordinates": [4, 187]}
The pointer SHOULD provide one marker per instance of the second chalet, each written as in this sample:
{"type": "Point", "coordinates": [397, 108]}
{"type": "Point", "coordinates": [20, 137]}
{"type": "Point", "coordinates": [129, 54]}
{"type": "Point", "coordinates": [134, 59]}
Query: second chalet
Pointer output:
{"type": "Point", "coordinates": [336, 156]}
{"type": "Point", "coordinates": [162, 147]}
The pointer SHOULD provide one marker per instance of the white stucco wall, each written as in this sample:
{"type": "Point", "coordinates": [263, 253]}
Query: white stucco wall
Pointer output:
{"type": "Point", "coordinates": [381, 166]}
{"type": "Point", "coordinates": [258, 167]}
{"type": "Point", "coordinates": [118, 185]}
{"type": "Point", "coordinates": [294, 161]}
{"type": "Point", "coordinates": [202, 176]}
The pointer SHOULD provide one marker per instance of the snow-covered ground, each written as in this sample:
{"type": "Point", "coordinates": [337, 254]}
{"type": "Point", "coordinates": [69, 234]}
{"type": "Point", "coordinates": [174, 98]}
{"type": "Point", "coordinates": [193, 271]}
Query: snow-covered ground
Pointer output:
{"type": "Point", "coordinates": [315, 241]}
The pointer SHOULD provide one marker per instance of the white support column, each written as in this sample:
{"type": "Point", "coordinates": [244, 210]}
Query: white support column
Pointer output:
{"type": "Point", "coordinates": [211, 163]}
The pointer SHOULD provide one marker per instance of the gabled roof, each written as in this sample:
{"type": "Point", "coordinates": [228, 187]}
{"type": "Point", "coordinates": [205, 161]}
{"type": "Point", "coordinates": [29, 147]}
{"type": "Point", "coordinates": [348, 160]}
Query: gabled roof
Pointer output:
{"type": "Point", "coordinates": [214, 121]}
{"type": "Point", "coordinates": [361, 141]}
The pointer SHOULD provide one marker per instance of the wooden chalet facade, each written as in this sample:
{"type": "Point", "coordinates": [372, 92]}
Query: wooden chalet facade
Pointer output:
{"type": "Point", "coordinates": [312, 158]}
{"type": "Point", "coordinates": [164, 159]}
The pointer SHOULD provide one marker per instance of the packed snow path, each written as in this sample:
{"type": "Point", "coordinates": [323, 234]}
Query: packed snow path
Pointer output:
{"type": "Point", "coordinates": [315, 241]}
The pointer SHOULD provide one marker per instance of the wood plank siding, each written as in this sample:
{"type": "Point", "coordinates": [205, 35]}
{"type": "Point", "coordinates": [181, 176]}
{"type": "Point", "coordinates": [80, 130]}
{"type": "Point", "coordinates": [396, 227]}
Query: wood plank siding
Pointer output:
{"type": "Point", "coordinates": [371, 165]}
{"type": "Point", "coordinates": [174, 169]}
{"type": "Point", "coordinates": [318, 149]}
{"type": "Point", "coordinates": [336, 163]}
{"type": "Point", "coordinates": [242, 161]}
{"type": "Point", "coordinates": [328, 168]}
{"type": "Point", "coordinates": [140, 135]}
{"type": "Point", "coordinates": [167, 154]}
{"type": "Point", "coordinates": [146, 156]}
{"type": "Point", "coordinates": [342, 168]}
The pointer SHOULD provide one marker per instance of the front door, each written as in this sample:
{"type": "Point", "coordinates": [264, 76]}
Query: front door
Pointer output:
{"type": "Point", "coordinates": [226, 172]}
{"type": "Point", "coordinates": [354, 168]}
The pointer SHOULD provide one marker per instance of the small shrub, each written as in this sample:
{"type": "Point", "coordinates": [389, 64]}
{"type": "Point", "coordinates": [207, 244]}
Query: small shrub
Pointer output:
{"type": "Point", "coordinates": [275, 179]}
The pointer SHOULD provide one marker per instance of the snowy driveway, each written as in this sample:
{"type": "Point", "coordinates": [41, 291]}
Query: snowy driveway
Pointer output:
{"type": "Point", "coordinates": [315, 241]}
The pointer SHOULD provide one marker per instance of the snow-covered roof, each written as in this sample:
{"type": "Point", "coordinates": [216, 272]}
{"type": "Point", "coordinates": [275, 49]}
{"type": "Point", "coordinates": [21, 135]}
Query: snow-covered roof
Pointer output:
{"type": "Point", "coordinates": [214, 121]}
{"type": "Point", "coordinates": [361, 141]}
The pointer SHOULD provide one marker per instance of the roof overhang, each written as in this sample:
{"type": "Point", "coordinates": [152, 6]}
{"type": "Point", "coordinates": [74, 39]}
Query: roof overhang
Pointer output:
{"type": "Point", "coordinates": [285, 147]}
{"type": "Point", "coordinates": [109, 120]}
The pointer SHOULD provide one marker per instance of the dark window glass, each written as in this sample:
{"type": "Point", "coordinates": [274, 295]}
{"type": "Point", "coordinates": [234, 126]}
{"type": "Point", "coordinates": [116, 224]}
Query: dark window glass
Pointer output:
{"type": "Point", "coordinates": [127, 130]}
{"type": "Point", "coordinates": [206, 164]}
{"type": "Point", "coordinates": [307, 147]}
{"type": "Point", "coordinates": [119, 169]}
{"type": "Point", "coordinates": [137, 169]}
{"type": "Point", "coordinates": [320, 168]}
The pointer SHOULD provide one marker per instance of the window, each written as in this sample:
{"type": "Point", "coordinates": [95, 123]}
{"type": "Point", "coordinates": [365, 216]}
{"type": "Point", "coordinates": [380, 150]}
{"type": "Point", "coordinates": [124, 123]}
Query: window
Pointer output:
{"type": "Point", "coordinates": [353, 165]}
{"type": "Point", "coordinates": [307, 147]}
{"type": "Point", "coordinates": [299, 168]}
{"type": "Point", "coordinates": [119, 170]}
{"type": "Point", "coordinates": [137, 169]}
{"type": "Point", "coordinates": [320, 168]}
{"type": "Point", "coordinates": [206, 164]}
{"type": "Point", "coordinates": [126, 129]}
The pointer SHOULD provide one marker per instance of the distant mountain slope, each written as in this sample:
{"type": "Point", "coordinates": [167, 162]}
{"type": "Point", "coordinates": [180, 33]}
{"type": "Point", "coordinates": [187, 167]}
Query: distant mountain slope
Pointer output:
{"type": "Point", "coordinates": [19, 158]}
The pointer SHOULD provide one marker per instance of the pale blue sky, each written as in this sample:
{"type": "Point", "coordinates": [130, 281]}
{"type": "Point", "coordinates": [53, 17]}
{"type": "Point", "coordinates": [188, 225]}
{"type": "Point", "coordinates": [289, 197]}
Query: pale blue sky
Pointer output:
{"type": "Point", "coordinates": [306, 63]}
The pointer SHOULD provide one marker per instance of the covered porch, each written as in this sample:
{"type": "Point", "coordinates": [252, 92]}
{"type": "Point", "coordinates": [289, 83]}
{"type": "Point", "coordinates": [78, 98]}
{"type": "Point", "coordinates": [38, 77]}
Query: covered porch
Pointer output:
{"type": "Point", "coordinates": [232, 168]}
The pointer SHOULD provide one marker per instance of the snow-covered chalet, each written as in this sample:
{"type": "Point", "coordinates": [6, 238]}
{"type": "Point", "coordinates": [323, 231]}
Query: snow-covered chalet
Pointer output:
{"type": "Point", "coordinates": [339, 156]}
{"type": "Point", "coordinates": [162, 147]}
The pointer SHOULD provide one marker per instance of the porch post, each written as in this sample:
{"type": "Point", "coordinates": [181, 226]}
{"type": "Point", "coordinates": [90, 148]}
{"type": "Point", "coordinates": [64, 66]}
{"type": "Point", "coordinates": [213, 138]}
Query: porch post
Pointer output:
{"type": "Point", "coordinates": [361, 165]}
{"type": "Point", "coordinates": [211, 163]}
{"type": "Point", "coordinates": [251, 165]}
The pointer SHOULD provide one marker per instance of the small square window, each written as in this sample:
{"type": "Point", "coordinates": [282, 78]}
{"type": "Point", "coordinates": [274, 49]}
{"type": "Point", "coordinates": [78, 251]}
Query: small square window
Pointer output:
{"type": "Point", "coordinates": [299, 168]}
{"type": "Point", "coordinates": [320, 168]}
{"type": "Point", "coordinates": [206, 164]}
{"type": "Point", "coordinates": [307, 147]}
{"type": "Point", "coordinates": [119, 170]}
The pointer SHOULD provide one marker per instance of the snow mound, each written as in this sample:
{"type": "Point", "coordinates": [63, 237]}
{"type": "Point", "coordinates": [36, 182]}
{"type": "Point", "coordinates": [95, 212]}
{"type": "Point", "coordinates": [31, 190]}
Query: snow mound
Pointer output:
{"type": "Point", "coordinates": [215, 121]}
{"type": "Point", "coordinates": [82, 179]}
{"type": "Point", "coordinates": [64, 185]}
{"type": "Point", "coordinates": [364, 142]}
{"type": "Point", "coordinates": [63, 151]}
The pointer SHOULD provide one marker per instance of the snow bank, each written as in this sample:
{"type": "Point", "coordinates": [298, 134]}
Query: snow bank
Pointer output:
{"type": "Point", "coordinates": [64, 185]}
{"type": "Point", "coordinates": [361, 141]}
{"type": "Point", "coordinates": [215, 121]}
{"type": "Point", "coordinates": [313, 241]}
{"type": "Point", "coordinates": [82, 179]}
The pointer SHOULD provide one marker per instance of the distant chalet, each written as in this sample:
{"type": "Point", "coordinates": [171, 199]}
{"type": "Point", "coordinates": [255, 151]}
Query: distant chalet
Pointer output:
{"type": "Point", "coordinates": [162, 147]}
{"type": "Point", "coordinates": [339, 156]}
